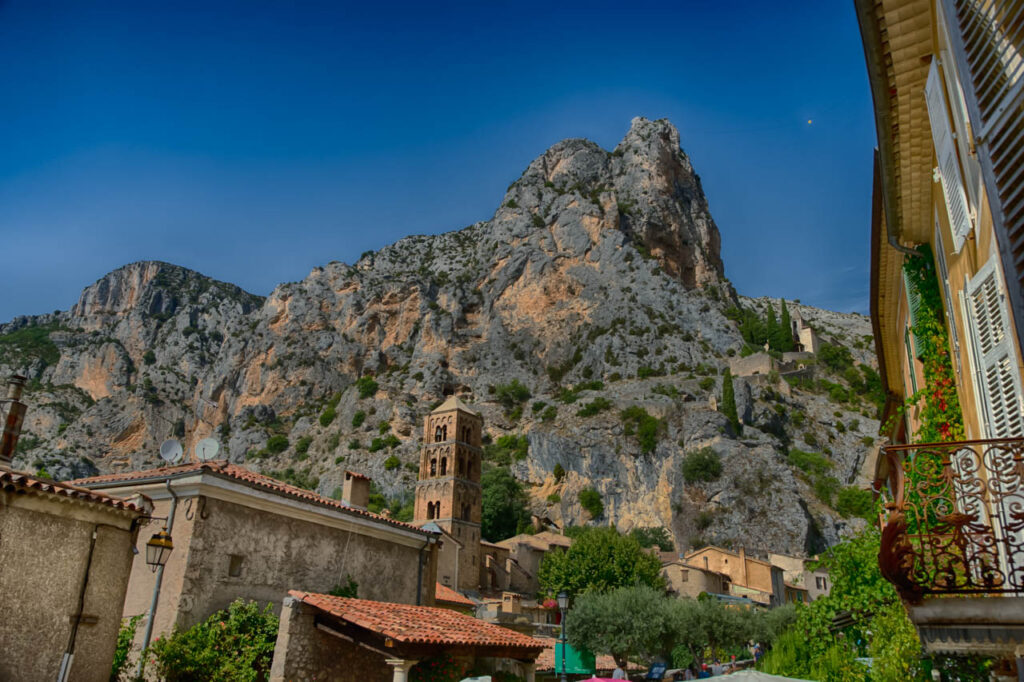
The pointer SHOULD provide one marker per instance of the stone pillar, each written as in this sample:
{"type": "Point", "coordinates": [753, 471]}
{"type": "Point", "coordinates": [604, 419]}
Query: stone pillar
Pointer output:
{"type": "Point", "coordinates": [402, 667]}
{"type": "Point", "coordinates": [529, 672]}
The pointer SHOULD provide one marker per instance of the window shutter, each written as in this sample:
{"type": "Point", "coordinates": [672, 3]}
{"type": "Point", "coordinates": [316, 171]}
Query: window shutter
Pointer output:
{"type": "Point", "coordinates": [945, 153]}
{"type": "Point", "coordinates": [940, 260]}
{"type": "Point", "coordinates": [999, 376]}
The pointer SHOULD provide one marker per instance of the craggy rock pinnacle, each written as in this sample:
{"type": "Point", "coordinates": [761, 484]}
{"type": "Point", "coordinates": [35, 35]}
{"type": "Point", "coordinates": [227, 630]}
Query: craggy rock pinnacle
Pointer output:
{"type": "Point", "coordinates": [597, 282]}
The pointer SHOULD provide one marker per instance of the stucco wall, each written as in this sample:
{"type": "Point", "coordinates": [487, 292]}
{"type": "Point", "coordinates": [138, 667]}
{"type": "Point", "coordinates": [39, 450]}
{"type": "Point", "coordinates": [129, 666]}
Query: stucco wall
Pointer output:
{"type": "Point", "coordinates": [278, 553]}
{"type": "Point", "coordinates": [690, 582]}
{"type": "Point", "coordinates": [44, 548]}
{"type": "Point", "coordinates": [281, 553]}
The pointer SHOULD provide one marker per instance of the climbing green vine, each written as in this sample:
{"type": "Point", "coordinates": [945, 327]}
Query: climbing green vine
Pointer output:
{"type": "Point", "coordinates": [940, 417]}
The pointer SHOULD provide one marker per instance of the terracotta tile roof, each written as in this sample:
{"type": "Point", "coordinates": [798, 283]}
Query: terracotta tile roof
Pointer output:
{"type": "Point", "coordinates": [450, 596]}
{"type": "Point", "coordinates": [243, 475]}
{"type": "Point", "coordinates": [453, 403]}
{"type": "Point", "coordinates": [357, 476]}
{"type": "Point", "coordinates": [419, 624]}
{"type": "Point", "coordinates": [18, 482]}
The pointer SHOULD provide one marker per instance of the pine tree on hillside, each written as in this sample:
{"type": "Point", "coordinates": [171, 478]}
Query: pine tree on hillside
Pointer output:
{"type": "Point", "coordinates": [785, 330]}
{"type": "Point", "coordinates": [729, 401]}
{"type": "Point", "coordinates": [771, 328]}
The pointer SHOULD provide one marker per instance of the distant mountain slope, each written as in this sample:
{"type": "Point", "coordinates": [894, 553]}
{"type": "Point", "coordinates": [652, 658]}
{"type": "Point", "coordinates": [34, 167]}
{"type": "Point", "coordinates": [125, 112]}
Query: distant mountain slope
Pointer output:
{"type": "Point", "coordinates": [597, 285]}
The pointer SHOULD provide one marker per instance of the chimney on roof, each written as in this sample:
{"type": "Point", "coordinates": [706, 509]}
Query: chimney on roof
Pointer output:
{"type": "Point", "coordinates": [15, 418]}
{"type": "Point", "coordinates": [355, 492]}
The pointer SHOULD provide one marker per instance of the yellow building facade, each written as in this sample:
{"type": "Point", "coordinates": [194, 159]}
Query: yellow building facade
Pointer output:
{"type": "Point", "coordinates": [947, 306]}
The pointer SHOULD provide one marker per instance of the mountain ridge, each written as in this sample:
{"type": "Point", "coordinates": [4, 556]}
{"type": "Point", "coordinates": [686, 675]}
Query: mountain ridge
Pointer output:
{"type": "Point", "coordinates": [598, 280]}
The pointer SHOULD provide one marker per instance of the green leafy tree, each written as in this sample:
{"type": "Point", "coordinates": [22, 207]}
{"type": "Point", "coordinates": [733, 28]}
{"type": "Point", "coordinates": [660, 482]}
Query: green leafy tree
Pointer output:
{"type": "Point", "coordinates": [599, 560]}
{"type": "Point", "coordinates": [511, 395]}
{"type": "Point", "coordinates": [784, 342]}
{"type": "Point", "coordinates": [505, 511]}
{"type": "Point", "coordinates": [657, 536]}
{"type": "Point", "coordinates": [125, 638]}
{"type": "Point", "coordinates": [771, 327]}
{"type": "Point", "coordinates": [810, 649]}
{"type": "Point", "coordinates": [366, 386]}
{"type": "Point", "coordinates": [236, 644]}
{"type": "Point", "coordinates": [647, 428]}
{"type": "Point", "coordinates": [626, 623]}
{"type": "Point", "coordinates": [704, 465]}
{"type": "Point", "coordinates": [729, 401]}
{"type": "Point", "coordinates": [590, 500]}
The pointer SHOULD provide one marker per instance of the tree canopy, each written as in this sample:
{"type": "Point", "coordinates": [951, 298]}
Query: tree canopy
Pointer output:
{"type": "Point", "coordinates": [504, 503]}
{"type": "Point", "coordinates": [640, 622]}
{"type": "Point", "coordinates": [599, 560]}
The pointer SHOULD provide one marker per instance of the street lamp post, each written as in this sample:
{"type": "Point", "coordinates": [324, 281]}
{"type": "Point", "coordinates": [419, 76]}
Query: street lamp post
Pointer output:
{"type": "Point", "coordinates": [158, 549]}
{"type": "Point", "coordinates": [563, 606]}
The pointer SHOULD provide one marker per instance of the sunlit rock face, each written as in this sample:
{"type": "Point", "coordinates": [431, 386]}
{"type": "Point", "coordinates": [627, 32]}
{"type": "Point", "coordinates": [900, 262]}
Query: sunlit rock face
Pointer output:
{"type": "Point", "coordinates": [599, 269]}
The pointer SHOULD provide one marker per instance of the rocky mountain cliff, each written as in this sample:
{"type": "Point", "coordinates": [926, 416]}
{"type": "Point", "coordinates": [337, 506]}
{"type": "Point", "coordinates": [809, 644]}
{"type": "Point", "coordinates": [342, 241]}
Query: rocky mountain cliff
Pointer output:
{"type": "Point", "coordinates": [596, 287]}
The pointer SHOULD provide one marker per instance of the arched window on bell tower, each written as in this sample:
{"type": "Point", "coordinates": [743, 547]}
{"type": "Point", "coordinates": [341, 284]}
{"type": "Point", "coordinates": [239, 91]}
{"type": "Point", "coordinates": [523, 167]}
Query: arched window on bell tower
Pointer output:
{"type": "Point", "coordinates": [444, 432]}
{"type": "Point", "coordinates": [433, 466]}
{"type": "Point", "coordinates": [438, 435]}
{"type": "Point", "coordinates": [444, 466]}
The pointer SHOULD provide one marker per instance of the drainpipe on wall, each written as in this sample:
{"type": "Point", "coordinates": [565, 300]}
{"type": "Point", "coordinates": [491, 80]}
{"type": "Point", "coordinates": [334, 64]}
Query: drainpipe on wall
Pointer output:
{"type": "Point", "coordinates": [419, 575]}
{"type": "Point", "coordinates": [14, 420]}
{"type": "Point", "coordinates": [69, 652]}
{"type": "Point", "coordinates": [156, 587]}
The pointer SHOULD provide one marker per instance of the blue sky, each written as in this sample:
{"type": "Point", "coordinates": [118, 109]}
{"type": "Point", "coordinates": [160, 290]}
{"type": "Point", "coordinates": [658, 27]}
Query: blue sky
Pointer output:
{"type": "Point", "coordinates": [253, 141]}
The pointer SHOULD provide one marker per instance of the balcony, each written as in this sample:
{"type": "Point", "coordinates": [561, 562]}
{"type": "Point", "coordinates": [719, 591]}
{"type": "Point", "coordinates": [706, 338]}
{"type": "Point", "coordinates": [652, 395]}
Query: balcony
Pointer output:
{"type": "Point", "coordinates": [953, 542]}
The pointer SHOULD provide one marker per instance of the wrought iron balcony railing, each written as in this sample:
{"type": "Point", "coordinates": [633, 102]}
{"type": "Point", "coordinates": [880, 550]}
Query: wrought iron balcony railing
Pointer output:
{"type": "Point", "coordinates": [954, 518]}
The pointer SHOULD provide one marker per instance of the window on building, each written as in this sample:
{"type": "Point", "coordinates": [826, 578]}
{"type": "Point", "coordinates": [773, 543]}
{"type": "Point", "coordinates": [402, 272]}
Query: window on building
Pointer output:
{"type": "Point", "coordinates": [433, 467]}
{"type": "Point", "coordinates": [444, 466]}
{"type": "Point", "coordinates": [235, 565]}
{"type": "Point", "coordinates": [821, 582]}
{"type": "Point", "coordinates": [438, 435]}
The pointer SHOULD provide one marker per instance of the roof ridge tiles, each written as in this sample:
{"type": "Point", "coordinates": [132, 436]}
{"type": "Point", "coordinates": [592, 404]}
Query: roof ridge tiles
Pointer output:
{"type": "Point", "coordinates": [243, 475]}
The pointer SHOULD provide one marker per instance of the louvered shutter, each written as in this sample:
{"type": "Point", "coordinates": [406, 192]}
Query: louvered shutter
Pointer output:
{"type": "Point", "coordinates": [945, 153]}
{"type": "Point", "coordinates": [940, 261]}
{"type": "Point", "coordinates": [999, 376]}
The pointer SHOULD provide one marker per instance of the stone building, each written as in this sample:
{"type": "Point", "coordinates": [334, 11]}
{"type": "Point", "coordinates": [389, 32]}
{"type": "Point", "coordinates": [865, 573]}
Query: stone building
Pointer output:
{"type": "Point", "coordinates": [690, 580]}
{"type": "Point", "coordinates": [752, 578]}
{"type": "Point", "coordinates": [65, 556]}
{"type": "Point", "coordinates": [448, 493]}
{"type": "Point", "coordinates": [239, 534]}
{"type": "Point", "coordinates": [525, 553]}
{"type": "Point", "coordinates": [804, 335]}
{"type": "Point", "coordinates": [798, 573]}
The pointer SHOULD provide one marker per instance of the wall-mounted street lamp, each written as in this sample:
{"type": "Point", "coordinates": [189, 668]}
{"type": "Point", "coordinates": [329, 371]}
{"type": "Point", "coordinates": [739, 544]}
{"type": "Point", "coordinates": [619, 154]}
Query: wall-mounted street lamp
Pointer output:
{"type": "Point", "coordinates": [563, 606]}
{"type": "Point", "coordinates": [158, 549]}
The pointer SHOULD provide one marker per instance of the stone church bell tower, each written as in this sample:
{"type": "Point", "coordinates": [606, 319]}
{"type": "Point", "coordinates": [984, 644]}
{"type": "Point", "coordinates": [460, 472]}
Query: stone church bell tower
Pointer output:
{"type": "Point", "coordinates": [448, 491]}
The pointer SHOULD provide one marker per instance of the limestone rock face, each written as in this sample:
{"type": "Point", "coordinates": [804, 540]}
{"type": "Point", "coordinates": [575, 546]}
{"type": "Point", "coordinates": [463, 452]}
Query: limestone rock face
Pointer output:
{"type": "Point", "coordinates": [598, 281]}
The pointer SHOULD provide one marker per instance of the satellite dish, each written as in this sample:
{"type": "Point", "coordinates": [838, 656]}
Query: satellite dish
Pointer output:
{"type": "Point", "coordinates": [207, 449]}
{"type": "Point", "coordinates": [171, 451]}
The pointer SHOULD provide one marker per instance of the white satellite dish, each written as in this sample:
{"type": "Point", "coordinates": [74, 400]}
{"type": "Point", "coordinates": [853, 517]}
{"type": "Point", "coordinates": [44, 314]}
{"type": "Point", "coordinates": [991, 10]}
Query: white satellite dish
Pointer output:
{"type": "Point", "coordinates": [171, 451]}
{"type": "Point", "coordinates": [207, 449]}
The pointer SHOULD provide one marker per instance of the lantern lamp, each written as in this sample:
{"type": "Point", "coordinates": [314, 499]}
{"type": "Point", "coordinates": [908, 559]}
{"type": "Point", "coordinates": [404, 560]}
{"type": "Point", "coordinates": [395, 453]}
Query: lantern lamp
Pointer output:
{"type": "Point", "coordinates": [158, 549]}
